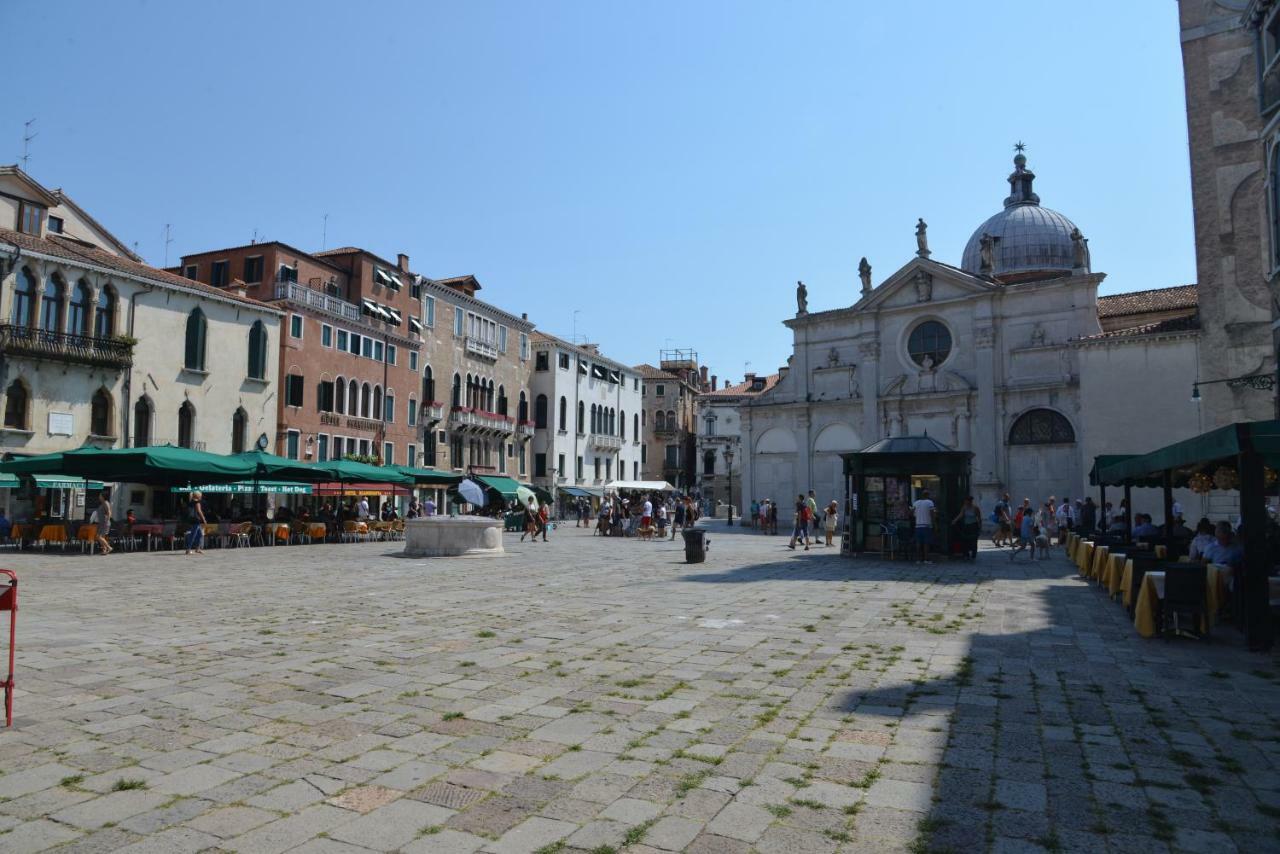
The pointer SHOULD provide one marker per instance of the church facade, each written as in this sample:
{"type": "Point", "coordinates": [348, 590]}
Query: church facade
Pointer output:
{"type": "Point", "coordinates": [996, 356]}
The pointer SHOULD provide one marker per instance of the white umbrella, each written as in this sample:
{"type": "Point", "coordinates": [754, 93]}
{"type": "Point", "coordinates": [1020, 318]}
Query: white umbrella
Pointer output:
{"type": "Point", "coordinates": [472, 493]}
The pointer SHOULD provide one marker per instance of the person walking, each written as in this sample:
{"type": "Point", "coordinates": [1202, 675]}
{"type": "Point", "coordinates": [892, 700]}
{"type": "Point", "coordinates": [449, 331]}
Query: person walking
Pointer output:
{"type": "Point", "coordinates": [925, 513]}
{"type": "Point", "coordinates": [969, 522]}
{"type": "Point", "coordinates": [829, 521]}
{"type": "Point", "coordinates": [1004, 523]}
{"type": "Point", "coordinates": [544, 520]}
{"type": "Point", "coordinates": [812, 501]}
{"type": "Point", "coordinates": [101, 519]}
{"type": "Point", "coordinates": [530, 521]}
{"type": "Point", "coordinates": [195, 516]}
{"type": "Point", "coordinates": [800, 530]}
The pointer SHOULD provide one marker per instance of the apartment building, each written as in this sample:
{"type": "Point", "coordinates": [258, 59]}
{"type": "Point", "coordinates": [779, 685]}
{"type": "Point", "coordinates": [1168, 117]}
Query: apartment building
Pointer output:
{"type": "Point", "coordinates": [669, 415]}
{"type": "Point", "coordinates": [346, 376]}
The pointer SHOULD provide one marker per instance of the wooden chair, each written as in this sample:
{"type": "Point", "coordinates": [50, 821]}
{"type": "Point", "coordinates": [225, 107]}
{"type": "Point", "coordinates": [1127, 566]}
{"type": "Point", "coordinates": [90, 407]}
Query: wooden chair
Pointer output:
{"type": "Point", "coordinates": [1185, 601]}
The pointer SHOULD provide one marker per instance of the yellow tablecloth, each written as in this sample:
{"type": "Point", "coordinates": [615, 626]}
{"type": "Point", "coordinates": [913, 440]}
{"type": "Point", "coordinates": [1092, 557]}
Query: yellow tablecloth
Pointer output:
{"type": "Point", "coordinates": [1084, 557]}
{"type": "Point", "coordinates": [1113, 573]}
{"type": "Point", "coordinates": [1099, 561]}
{"type": "Point", "coordinates": [1126, 583]}
{"type": "Point", "coordinates": [1152, 590]}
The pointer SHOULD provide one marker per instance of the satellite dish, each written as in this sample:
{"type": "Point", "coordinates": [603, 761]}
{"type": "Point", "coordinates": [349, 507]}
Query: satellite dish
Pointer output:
{"type": "Point", "coordinates": [262, 442]}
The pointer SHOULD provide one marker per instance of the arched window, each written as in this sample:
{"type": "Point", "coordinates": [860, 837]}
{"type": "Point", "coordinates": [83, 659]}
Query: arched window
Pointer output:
{"type": "Point", "coordinates": [659, 421]}
{"type": "Point", "coordinates": [471, 393]}
{"type": "Point", "coordinates": [24, 299]}
{"type": "Point", "coordinates": [81, 300]}
{"type": "Point", "coordinates": [929, 344]}
{"type": "Point", "coordinates": [51, 304]}
{"type": "Point", "coordinates": [428, 386]}
{"type": "Point", "coordinates": [582, 411]}
{"type": "Point", "coordinates": [671, 421]}
{"type": "Point", "coordinates": [16, 406]}
{"type": "Point", "coordinates": [502, 400]}
{"type": "Point", "coordinates": [353, 397]}
{"type": "Point", "coordinates": [186, 425]}
{"type": "Point", "coordinates": [340, 396]}
{"type": "Point", "coordinates": [366, 399]}
{"type": "Point", "coordinates": [100, 413]}
{"type": "Point", "coordinates": [104, 319]}
{"type": "Point", "coordinates": [613, 421]}
{"type": "Point", "coordinates": [540, 412]}
{"type": "Point", "coordinates": [489, 400]}
{"type": "Point", "coordinates": [239, 430]}
{"type": "Point", "coordinates": [709, 462]}
{"type": "Point", "coordinates": [142, 423]}
{"type": "Point", "coordinates": [457, 390]}
{"type": "Point", "coordinates": [522, 412]}
{"type": "Point", "coordinates": [622, 425]}
{"type": "Point", "coordinates": [594, 420]}
{"type": "Point", "coordinates": [1041, 427]}
{"type": "Point", "coordinates": [197, 329]}
{"type": "Point", "coordinates": [635, 424]}
{"type": "Point", "coordinates": [377, 402]}
{"type": "Point", "coordinates": [564, 413]}
{"type": "Point", "coordinates": [258, 351]}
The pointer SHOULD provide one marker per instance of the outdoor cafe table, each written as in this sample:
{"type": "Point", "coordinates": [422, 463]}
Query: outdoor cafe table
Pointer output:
{"type": "Point", "coordinates": [1217, 583]}
{"type": "Point", "coordinates": [1084, 557]}
{"type": "Point", "coordinates": [1113, 572]}
{"type": "Point", "coordinates": [1099, 560]}
{"type": "Point", "coordinates": [147, 530]}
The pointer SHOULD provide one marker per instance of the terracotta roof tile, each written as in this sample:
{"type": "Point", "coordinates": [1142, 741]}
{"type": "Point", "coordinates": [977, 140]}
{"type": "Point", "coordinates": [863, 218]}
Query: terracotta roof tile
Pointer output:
{"type": "Point", "coordinates": [743, 389]}
{"type": "Point", "coordinates": [77, 251]}
{"type": "Point", "coordinates": [1142, 302]}
{"type": "Point", "coordinates": [1173, 324]}
{"type": "Point", "coordinates": [649, 372]}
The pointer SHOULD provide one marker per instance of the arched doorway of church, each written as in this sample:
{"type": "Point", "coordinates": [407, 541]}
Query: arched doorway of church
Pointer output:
{"type": "Point", "coordinates": [774, 463]}
{"type": "Point", "coordinates": [828, 478]}
{"type": "Point", "coordinates": [1043, 457]}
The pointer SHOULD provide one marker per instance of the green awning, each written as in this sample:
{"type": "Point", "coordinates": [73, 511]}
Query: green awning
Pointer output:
{"type": "Point", "coordinates": [1190, 455]}
{"type": "Point", "coordinates": [429, 477]}
{"type": "Point", "coordinates": [1101, 462]}
{"type": "Point", "coordinates": [161, 464]}
{"type": "Point", "coordinates": [272, 487]}
{"type": "Point", "coordinates": [8, 481]}
{"type": "Point", "coordinates": [504, 486]}
{"type": "Point", "coordinates": [350, 471]}
{"type": "Point", "coordinates": [574, 492]}
{"type": "Point", "coordinates": [62, 481]}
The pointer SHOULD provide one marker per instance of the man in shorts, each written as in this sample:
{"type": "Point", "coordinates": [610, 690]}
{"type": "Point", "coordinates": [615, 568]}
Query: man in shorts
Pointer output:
{"type": "Point", "coordinates": [800, 530]}
{"type": "Point", "coordinates": [925, 512]}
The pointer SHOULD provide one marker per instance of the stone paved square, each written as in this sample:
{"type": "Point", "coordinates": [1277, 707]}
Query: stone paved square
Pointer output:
{"type": "Point", "coordinates": [593, 692]}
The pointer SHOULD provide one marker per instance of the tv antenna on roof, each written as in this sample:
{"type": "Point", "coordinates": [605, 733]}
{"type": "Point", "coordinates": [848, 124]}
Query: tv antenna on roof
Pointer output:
{"type": "Point", "coordinates": [324, 232]}
{"type": "Point", "coordinates": [27, 136]}
{"type": "Point", "coordinates": [168, 238]}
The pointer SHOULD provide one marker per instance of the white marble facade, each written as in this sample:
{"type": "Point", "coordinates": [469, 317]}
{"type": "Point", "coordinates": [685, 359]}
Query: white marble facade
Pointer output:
{"type": "Point", "coordinates": [985, 357]}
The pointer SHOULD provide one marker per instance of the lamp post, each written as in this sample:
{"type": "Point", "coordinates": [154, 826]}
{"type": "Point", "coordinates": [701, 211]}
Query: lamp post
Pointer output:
{"type": "Point", "coordinates": [728, 471]}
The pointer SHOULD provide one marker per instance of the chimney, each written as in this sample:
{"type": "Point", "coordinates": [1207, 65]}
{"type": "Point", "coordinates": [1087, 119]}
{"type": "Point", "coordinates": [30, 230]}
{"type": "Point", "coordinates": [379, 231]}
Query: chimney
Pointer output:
{"type": "Point", "coordinates": [524, 315]}
{"type": "Point", "coordinates": [702, 372]}
{"type": "Point", "coordinates": [750, 378]}
{"type": "Point", "coordinates": [239, 288]}
{"type": "Point", "coordinates": [402, 261]}
{"type": "Point", "coordinates": [714, 381]}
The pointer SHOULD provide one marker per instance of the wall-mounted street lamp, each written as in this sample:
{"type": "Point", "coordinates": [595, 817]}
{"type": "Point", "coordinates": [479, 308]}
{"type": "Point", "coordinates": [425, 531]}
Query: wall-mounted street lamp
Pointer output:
{"type": "Point", "coordinates": [1257, 382]}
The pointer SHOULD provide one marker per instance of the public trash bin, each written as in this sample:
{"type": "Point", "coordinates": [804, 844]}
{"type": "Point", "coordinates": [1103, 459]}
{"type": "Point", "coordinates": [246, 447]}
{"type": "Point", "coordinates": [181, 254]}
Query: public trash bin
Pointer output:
{"type": "Point", "coordinates": [695, 545]}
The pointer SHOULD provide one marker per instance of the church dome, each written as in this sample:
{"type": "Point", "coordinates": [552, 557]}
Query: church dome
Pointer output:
{"type": "Point", "coordinates": [1027, 241]}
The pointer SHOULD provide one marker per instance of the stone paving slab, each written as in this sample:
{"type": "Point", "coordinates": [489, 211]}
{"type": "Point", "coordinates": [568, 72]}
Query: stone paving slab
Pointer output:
{"type": "Point", "coordinates": [593, 694]}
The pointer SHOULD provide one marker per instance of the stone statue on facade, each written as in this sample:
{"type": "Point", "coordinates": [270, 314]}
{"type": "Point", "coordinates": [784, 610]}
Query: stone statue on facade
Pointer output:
{"type": "Point", "coordinates": [864, 273]}
{"type": "Point", "coordinates": [1037, 336]}
{"type": "Point", "coordinates": [802, 298]}
{"type": "Point", "coordinates": [987, 246]}
{"type": "Point", "coordinates": [922, 238]}
{"type": "Point", "coordinates": [1079, 250]}
{"type": "Point", "coordinates": [924, 286]}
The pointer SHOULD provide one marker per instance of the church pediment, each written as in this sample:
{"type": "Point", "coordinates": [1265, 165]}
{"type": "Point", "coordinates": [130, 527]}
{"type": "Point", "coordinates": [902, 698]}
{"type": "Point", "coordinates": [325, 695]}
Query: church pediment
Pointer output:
{"type": "Point", "coordinates": [926, 382]}
{"type": "Point", "coordinates": [923, 281]}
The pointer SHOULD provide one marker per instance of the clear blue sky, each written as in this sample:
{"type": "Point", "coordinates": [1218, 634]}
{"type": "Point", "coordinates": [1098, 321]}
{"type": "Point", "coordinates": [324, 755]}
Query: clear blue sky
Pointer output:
{"type": "Point", "coordinates": [669, 170]}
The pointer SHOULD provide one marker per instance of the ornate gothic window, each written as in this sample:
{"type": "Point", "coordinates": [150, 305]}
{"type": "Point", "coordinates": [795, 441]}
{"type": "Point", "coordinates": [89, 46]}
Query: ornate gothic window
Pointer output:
{"type": "Point", "coordinates": [1041, 427]}
{"type": "Point", "coordinates": [100, 413]}
{"type": "Point", "coordinates": [258, 351]}
{"type": "Point", "coordinates": [929, 344]}
{"type": "Point", "coordinates": [197, 329]}
{"type": "Point", "coordinates": [104, 319]}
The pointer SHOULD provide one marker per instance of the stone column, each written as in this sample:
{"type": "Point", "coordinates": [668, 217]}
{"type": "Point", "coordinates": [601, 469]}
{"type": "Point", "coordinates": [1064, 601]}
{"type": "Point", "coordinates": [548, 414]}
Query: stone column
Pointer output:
{"type": "Point", "coordinates": [988, 430]}
{"type": "Point", "coordinates": [869, 387]}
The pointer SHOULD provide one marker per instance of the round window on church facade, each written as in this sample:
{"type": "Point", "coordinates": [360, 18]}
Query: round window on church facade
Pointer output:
{"type": "Point", "coordinates": [929, 344]}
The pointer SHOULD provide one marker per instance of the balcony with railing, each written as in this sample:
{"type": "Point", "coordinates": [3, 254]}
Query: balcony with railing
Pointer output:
{"type": "Point", "coordinates": [481, 348]}
{"type": "Point", "coordinates": [318, 300]}
{"type": "Point", "coordinates": [477, 419]}
{"type": "Point", "coordinates": [432, 411]}
{"type": "Point", "coordinates": [526, 428]}
{"type": "Point", "coordinates": [606, 443]}
{"type": "Point", "coordinates": [65, 347]}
